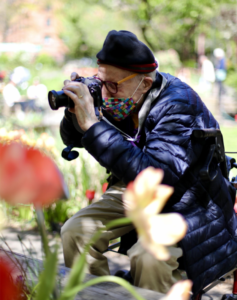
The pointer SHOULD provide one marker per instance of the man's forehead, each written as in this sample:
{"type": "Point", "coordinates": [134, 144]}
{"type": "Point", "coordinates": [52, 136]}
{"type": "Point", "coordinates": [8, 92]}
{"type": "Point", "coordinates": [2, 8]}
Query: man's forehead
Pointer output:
{"type": "Point", "coordinates": [111, 73]}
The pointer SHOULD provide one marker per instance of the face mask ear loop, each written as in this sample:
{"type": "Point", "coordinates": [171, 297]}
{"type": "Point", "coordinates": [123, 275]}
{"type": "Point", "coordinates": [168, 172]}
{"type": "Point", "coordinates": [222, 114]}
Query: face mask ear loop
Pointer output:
{"type": "Point", "coordinates": [139, 99]}
{"type": "Point", "coordinates": [137, 87]}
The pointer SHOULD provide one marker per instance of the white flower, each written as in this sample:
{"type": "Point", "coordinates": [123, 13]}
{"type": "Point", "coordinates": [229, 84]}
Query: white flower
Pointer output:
{"type": "Point", "coordinates": [143, 200]}
{"type": "Point", "coordinates": [179, 291]}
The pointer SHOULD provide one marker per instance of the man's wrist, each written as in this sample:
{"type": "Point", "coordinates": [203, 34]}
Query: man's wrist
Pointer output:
{"type": "Point", "coordinates": [88, 125]}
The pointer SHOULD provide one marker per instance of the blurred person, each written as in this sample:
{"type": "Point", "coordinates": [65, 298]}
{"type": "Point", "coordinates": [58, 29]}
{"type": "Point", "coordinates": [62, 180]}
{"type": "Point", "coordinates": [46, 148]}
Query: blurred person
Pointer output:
{"type": "Point", "coordinates": [2, 77]}
{"type": "Point", "coordinates": [207, 74]}
{"type": "Point", "coordinates": [37, 93]}
{"type": "Point", "coordinates": [148, 119]}
{"type": "Point", "coordinates": [13, 99]}
{"type": "Point", "coordinates": [221, 72]}
{"type": "Point", "coordinates": [11, 95]}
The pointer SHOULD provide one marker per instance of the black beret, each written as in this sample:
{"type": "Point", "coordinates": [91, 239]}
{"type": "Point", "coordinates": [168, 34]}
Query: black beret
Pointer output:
{"type": "Point", "coordinates": [122, 49]}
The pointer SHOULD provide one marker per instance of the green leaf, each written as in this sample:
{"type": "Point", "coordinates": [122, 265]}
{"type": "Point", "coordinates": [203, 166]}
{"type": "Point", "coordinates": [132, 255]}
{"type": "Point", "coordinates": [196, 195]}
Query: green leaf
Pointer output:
{"type": "Point", "coordinates": [71, 293]}
{"type": "Point", "coordinates": [47, 277]}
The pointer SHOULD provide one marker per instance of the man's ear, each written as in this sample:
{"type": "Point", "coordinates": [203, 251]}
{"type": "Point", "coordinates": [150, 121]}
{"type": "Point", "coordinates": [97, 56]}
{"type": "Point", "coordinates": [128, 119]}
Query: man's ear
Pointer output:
{"type": "Point", "coordinates": [147, 83]}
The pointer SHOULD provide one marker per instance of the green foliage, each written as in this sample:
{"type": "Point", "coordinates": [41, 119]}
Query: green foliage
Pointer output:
{"type": "Point", "coordinates": [4, 59]}
{"type": "Point", "coordinates": [18, 213]}
{"type": "Point", "coordinates": [47, 277]}
{"type": "Point", "coordinates": [161, 25]}
{"type": "Point", "coordinates": [25, 212]}
{"type": "Point", "coordinates": [13, 60]}
{"type": "Point", "coordinates": [230, 142]}
{"type": "Point", "coordinates": [56, 213]}
{"type": "Point", "coordinates": [45, 60]}
{"type": "Point", "coordinates": [86, 25]}
{"type": "Point", "coordinates": [191, 63]}
{"type": "Point", "coordinates": [231, 79]}
{"type": "Point", "coordinates": [85, 176]}
{"type": "Point", "coordinates": [169, 61]}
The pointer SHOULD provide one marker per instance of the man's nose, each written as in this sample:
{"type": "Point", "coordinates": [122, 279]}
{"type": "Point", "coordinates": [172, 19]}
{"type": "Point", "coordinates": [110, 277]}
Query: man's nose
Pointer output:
{"type": "Point", "coordinates": [105, 93]}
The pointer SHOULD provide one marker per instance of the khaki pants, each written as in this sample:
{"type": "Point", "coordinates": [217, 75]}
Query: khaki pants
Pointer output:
{"type": "Point", "coordinates": [146, 271]}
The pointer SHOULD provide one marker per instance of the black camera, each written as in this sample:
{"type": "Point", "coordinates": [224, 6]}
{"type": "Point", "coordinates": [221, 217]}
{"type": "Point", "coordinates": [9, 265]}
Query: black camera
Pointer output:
{"type": "Point", "coordinates": [59, 99]}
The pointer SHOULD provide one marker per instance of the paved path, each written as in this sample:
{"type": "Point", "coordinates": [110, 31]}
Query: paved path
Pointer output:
{"type": "Point", "coordinates": [31, 241]}
{"type": "Point", "coordinates": [31, 246]}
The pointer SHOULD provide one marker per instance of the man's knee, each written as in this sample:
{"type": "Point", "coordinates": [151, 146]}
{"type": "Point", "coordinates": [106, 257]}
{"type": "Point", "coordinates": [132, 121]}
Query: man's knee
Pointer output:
{"type": "Point", "coordinates": [75, 224]}
{"type": "Point", "coordinates": [72, 231]}
{"type": "Point", "coordinates": [67, 228]}
{"type": "Point", "coordinates": [79, 229]}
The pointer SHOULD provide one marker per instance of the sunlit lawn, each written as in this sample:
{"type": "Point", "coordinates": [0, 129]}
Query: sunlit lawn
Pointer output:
{"type": "Point", "coordinates": [230, 141]}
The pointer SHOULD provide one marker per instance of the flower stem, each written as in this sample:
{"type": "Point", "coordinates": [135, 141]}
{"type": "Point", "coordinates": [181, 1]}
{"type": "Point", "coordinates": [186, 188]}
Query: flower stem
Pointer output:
{"type": "Point", "coordinates": [44, 238]}
{"type": "Point", "coordinates": [43, 234]}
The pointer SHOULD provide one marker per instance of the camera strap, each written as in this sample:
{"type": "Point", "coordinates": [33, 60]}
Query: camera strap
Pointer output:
{"type": "Point", "coordinates": [68, 154]}
{"type": "Point", "coordinates": [100, 117]}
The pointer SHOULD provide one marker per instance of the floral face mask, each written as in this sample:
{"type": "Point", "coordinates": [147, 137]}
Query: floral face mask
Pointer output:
{"type": "Point", "coordinates": [120, 108]}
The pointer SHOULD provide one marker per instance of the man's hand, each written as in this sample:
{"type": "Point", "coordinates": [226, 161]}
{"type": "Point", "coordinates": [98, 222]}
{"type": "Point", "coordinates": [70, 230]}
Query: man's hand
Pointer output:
{"type": "Point", "coordinates": [84, 103]}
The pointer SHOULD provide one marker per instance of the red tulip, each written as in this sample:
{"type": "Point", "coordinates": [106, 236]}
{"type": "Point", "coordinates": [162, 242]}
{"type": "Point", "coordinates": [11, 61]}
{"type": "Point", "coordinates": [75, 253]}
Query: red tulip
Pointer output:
{"type": "Point", "coordinates": [28, 176]}
{"type": "Point", "coordinates": [9, 290]}
{"type": "Point", "coordinates": [104, 187]}
{"type": "Point", "coordinates": [90, 195]}
{"type": "Point", "coordinates": [235, 207]}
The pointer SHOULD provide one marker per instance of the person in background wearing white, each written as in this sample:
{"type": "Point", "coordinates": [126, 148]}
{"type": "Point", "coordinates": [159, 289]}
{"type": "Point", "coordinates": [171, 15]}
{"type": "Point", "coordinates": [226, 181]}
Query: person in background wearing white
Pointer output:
{"type": "Point", "coordinates": [38, 93]}
{"type": "Point", "coordinates": [11, 95]}
{"type": "Point", "coordinates": [207, 74]}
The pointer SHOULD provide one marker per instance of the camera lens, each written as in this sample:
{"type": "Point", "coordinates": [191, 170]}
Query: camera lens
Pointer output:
{"type": "Point", "coordinates": [52, 100]}
{"type": "Point", "coordinates": [59, 99]}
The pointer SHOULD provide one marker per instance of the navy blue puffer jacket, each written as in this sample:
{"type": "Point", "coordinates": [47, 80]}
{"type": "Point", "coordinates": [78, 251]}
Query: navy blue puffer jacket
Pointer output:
{"type": "Point", "coordinates": [172, 110]}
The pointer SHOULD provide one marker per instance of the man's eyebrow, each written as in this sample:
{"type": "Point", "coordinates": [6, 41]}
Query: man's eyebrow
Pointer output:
{"type": "Point", "coordinates": [111, 80]}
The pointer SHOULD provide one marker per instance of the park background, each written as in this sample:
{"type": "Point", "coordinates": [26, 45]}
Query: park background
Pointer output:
{"type": "Point", "coordinates": [51, 39]}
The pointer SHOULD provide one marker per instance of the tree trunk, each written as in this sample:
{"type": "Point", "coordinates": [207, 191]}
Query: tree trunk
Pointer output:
{"type": "Point", "coordinates": [144, 34]}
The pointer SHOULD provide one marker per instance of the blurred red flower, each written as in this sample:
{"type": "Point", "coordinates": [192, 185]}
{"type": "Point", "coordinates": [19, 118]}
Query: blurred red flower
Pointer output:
{"type": "Point", "coordinates": [90, 195]}
{"type": "Point", "coordinates": [9, 289]}
{"type": "Point", "coordinates": [104, 187]}
{"type": "Point", "coordinates": [28, 176]}
{"type": "Point", "coordinates": [235, 207]}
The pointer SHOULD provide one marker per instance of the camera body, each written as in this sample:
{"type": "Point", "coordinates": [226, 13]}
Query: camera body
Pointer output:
{"type": "Point", "coordinates": [60, 99]}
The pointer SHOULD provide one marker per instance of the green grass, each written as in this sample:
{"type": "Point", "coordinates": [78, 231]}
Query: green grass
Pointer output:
{"type": "Point", "coordinates": [230, 138]}
{"type": "Point", "coordinates": [230, 142]}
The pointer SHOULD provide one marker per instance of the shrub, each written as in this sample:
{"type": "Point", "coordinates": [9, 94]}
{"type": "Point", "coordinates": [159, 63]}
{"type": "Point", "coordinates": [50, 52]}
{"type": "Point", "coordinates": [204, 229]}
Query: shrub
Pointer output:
{"type": "Point", "coordinates": [45, 60]}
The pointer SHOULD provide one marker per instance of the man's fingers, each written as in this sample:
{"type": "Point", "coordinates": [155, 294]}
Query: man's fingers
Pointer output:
{"type": "Point", "coordinates": [71, 94]}
{"type": "Point", "coordinates": [77, 87]}
{"type": "Point", "coordinates": [75, 91]}
{"type": "Point", "coordinates": [74, 76]}
{"type": "Point", "coordinates": [66, 82]}
{"type": "Point", "coordinates": [72, 88]}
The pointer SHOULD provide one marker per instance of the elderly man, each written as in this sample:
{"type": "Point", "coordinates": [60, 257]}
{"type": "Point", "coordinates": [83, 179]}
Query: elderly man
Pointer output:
{"type": "Point", "coordinates": [148, 119]}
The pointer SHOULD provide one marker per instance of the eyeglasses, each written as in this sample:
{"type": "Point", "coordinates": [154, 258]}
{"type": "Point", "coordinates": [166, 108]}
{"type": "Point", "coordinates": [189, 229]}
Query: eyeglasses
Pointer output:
{"type": "Point", "coordinates": [112, 87]}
